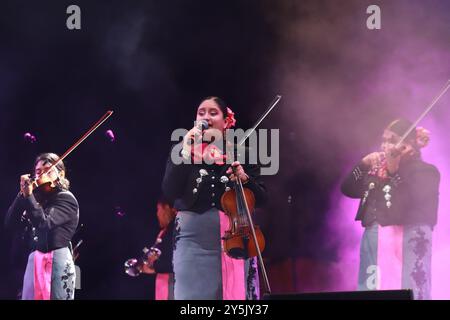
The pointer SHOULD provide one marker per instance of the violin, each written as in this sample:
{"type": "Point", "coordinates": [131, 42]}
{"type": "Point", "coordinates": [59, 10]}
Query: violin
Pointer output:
{"type": "Point", "coordinates": [43, 183]}
{"type": "Point", "coordinates": [243, 239]}
{"type": "Point", "coordinates": [400, 150]}
{"type": "Point", "coordinates": [238, 241]}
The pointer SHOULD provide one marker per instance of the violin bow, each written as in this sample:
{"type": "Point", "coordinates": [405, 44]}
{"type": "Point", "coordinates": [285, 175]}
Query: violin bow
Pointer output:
{"type": "Point", "coordinates": [424, 113]}
{"type": "Point", "coordinates": [84, 137]}
{"type": "Point", "coordinates": [241, 190]}
{"type": "Point", "coordinates": [265, 114]}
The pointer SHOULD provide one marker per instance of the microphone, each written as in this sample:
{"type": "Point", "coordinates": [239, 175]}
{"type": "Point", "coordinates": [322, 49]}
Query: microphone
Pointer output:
{"type": "Point", "coordinates": [202, 125]}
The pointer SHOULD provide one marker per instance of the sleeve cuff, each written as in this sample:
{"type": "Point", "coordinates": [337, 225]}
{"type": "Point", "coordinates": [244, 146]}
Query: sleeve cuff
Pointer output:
{"type": "Point", "coordinates": [251, 184]}
{"type": "Point", "coordinates": [363, 167]}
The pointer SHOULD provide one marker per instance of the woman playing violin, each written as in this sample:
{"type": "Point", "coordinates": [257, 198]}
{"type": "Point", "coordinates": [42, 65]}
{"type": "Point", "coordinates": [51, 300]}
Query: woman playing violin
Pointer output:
{"type": "Point", "coordinates": [202, 270]}
{"type": "Point", "coordinates": [51, 211]}
{"type": "Point", "coordinates": [399, 193]}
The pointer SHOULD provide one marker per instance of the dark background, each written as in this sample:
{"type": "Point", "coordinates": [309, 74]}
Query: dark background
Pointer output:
{"type": "Point", "coordinates": [152, 62]}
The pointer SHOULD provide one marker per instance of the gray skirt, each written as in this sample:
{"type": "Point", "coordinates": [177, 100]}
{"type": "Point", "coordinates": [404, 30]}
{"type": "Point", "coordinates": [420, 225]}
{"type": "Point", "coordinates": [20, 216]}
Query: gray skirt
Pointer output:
{"type": "Point", "coordinates": [197, 259]}
{"type": "Point", "coordinates": [62, 285]}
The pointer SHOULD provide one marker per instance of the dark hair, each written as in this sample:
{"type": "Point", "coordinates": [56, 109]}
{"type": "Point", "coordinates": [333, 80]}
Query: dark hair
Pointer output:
{"type": "Point", "coordinates": [222, 104]}
{"type": "Point", "coordinates": [400, 126]}
{"type": "Point", "coordinates": [51, 158]}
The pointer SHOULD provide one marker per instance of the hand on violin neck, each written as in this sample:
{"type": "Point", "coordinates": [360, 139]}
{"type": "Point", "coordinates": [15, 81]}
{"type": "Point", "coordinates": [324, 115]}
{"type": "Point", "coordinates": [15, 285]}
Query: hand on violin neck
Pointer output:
{"type": "Point", "coordinates": [236, 170]}
{"type": "Point", "coordinates": [373, 159]}
{"type": "Point", "coordinates": [26, 185]}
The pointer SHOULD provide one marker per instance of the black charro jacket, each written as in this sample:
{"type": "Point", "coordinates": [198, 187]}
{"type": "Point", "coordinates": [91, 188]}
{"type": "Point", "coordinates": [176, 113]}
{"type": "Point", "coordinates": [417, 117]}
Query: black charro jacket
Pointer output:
{"type": "Point", "coordinates": [184, 184]}
{"type": "Point", "coordinates": [164, 263]}
{"type": "Point", "coordinates": [409, 197]}
{"type": "Point", "coordinates": [53, 220]}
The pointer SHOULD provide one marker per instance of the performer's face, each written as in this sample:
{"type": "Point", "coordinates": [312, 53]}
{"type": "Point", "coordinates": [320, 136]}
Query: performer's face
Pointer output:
{"type": "Point", "coordinates": [50, 176]}
{"type": "Point", "coordinates": [210, 111]}
{"type": "Point", "coordinates": [390, 140]}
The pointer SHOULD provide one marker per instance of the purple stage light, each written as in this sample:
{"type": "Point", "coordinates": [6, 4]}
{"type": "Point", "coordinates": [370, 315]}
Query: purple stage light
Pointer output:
{"type": "Point", "coordinates": [110, 135]}
{"type": "Point", "coordinates": [119, 211]}
{"type": "Point", "coordinates": [28, 137]}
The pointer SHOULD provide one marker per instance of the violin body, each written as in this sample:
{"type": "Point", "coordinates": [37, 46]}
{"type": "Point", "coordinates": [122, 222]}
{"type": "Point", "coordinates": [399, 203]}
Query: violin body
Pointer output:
{"type": "Point", "coordinates": [241, 245]}
{"type": "Point", "coordinates": [43, 187]}
{"type": "Point", "coordinates": [238, 241]}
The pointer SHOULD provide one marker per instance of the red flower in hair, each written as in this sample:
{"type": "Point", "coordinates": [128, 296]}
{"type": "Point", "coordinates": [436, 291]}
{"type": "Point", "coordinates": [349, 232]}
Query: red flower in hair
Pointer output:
{"type": "Point", "coordinates": [231, 121]}
{"type": "Point", "coordinates": [422, 137]}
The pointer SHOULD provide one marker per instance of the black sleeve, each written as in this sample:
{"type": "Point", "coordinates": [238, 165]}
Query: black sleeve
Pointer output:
{"type": "Point", "coordinates": [353, 185]}
{"type": "Point", "coordinates": [14, 213]}
{"type": "Point", "coordinates": [423, 188]}
{"type": "Point", "coordinates": [64, 209]}
{"type": "Point", "coordinates": [164, 263]}
{"type": "Point", "coordinates": [175, 178]}
{"type": "Point", "coordinates": [255, 184]}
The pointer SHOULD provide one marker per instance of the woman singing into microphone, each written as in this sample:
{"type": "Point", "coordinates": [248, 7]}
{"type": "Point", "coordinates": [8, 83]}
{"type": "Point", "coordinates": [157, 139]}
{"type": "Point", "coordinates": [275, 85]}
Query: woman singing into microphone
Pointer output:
{"type": "Point", "coordinates": [51, 211]}
{"type": "Point", "coordinates": [201, 269]}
